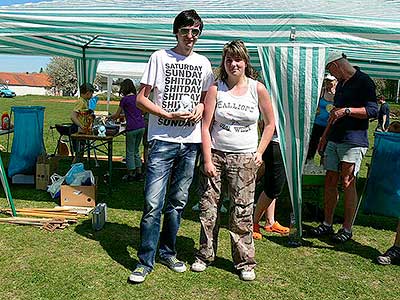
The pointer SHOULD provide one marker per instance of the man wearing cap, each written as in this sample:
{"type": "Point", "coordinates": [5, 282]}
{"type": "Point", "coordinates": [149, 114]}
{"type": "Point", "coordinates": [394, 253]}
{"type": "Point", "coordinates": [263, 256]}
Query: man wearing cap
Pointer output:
{"type": "Point", "coordinates": [345, 142]}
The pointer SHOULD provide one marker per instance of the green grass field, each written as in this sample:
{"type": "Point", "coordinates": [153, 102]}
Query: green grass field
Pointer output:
{"type": "Point", "coordinates": [78, 263]}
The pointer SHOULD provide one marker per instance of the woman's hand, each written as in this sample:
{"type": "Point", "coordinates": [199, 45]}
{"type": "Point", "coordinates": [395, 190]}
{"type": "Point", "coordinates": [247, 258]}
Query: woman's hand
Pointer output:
{"type": "Point", "coordinates": [322, 145]}
{"type": "Point", "coordinates": [197, 113]}
{"type": "Point", "coordinates": [258, 159]}
{"type": "Point", "coordinates": [209, 169]}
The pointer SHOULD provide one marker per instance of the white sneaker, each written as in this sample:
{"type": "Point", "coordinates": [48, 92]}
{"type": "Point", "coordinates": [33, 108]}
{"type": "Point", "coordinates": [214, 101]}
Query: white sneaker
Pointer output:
{"type": "Point", "coordinates": [196, 207]}
{"type": "Point", "coordinates": [138, 275]}
{"type": "Point", "coordinates": [249, 275]}
{"type": "Point", "coordinates": [198, 266]}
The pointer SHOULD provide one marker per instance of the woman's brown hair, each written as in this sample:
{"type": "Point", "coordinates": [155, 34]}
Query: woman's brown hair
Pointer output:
{"type": "Point", "coordinates": [236, 48]}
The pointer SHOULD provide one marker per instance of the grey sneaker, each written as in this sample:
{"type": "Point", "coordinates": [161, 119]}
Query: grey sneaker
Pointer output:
{"type": "Point", "coordinates": [247, 275]}
{"type": "Point", "coordinates": [138, 275]}
{"type": "Point", "coordinates": [174, 264]}
{"type": "Point", "coordinates": [198, 266]}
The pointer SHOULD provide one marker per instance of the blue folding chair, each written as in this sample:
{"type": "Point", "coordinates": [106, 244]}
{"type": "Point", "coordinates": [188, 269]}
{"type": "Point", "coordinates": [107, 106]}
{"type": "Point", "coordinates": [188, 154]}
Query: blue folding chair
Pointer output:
{"type": "Point", "coordinates": [381, 195]}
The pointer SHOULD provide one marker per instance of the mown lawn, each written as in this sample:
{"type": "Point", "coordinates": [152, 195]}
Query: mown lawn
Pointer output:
{"type": "Point", "coordinates": [77, 263]}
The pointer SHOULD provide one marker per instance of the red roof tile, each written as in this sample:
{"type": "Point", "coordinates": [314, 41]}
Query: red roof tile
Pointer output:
{"type": "Point", "coordinates": [24, 79]}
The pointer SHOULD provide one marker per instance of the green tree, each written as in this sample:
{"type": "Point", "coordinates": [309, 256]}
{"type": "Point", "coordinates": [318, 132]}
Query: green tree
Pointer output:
{"type": "Point", "coordinates": [61, 70]}
{"type": "Point", "coordinates": [386, 87]}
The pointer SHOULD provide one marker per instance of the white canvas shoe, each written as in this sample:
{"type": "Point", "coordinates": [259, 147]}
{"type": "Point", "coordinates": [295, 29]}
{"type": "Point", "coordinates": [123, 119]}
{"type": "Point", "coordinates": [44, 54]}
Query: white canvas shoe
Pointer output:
{"type": "Point", "coordinates": [249, 275]}
{"type": "Point", "coordinates": [198, 266]}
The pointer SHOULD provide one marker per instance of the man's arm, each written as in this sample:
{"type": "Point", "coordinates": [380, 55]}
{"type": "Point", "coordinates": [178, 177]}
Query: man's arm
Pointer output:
{"type": "Point", "coordinates": [355, 112]}
{"type": "Point", "coordinates": [384, 122]}
{"type": "Point", "coordinates": [368, 111]}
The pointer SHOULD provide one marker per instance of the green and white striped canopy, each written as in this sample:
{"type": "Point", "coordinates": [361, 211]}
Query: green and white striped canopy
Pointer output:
{"type": "Point", "coordinates": [123, 30]}
{"type": "Point", "coordinates": [288, 40]}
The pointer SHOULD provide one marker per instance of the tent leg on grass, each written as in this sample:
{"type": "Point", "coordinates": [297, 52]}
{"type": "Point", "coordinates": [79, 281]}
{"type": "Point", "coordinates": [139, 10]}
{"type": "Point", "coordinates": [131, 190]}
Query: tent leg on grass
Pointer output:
{"type": "Point", "coordinates": [6, 188]}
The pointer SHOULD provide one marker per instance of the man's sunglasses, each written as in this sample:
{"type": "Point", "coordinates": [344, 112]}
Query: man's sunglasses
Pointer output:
{"type": "Point", "coordinates": [185, 31]}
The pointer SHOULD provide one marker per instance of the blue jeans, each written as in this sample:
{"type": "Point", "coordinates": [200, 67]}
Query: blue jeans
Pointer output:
{"type": "Point", "coordinates": [133, 140]}
{"type": "Point", "coordinates": [171, 163]}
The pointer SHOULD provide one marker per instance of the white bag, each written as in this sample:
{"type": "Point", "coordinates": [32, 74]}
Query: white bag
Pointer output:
{"type": "Point", "coordinates": [55, 186]}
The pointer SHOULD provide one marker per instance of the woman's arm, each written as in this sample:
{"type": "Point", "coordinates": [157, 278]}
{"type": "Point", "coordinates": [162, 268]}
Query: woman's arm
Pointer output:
{"type": "Point", "coordinates": [208, 116]}
{"type": "Point", "coordinates": [323, 141]}
{"type": "Point", "coordinates": [75, 120]}
{"type": "Point", "coordinates": [265, 105]}
{"type": "Point", "coordinates": [117, 113]}
{"type": "Point", "coordinates": [146, 105]}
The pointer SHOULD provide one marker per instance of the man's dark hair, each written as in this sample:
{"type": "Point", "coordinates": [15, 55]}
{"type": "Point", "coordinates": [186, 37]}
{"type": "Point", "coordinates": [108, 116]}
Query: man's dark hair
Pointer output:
{"type": "Point", "coordinates": [187, 18]}
{"type": "Point", "coordinates": [86, 87]}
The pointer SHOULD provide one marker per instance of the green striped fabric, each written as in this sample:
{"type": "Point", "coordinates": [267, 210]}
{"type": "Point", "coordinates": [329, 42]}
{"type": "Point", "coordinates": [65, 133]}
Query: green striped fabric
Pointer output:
{"type": "Point", "coordinates": [287, 39]}
{"type": "Point", "coordinates": [294, 77]}
{"type": "Point", "coordinates": [86, 70]}
{"type": "Point", "coordinates": [131, 30]}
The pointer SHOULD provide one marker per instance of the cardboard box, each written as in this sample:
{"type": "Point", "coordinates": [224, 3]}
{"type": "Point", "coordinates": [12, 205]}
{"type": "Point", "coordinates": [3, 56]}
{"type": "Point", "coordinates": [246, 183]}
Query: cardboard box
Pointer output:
{"type": "Point", "coordinates": [45, 167]}
{"type": "Point", "coordinates": [78, 195]}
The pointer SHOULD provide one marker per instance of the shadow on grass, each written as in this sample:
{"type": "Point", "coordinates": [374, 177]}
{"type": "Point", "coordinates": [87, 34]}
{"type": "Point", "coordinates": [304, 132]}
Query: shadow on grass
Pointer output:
{"type": "Point", "coordinates": [116, 238]}
{"type": "Point", "coordinates": [351, 246]}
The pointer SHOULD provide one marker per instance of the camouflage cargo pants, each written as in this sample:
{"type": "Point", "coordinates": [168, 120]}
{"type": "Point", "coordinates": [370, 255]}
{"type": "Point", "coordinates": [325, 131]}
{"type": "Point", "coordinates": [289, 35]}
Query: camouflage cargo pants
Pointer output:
{"type": "Point", "coordinates": [239, 172]}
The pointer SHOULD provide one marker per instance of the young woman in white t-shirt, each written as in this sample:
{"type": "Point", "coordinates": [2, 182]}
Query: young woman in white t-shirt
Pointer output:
{"type": "Point", "coordinates": [231, 150]}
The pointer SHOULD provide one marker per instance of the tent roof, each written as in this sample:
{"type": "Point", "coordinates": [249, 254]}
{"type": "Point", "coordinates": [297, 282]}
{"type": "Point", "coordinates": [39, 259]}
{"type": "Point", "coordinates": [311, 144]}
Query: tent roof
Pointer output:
{"type": "Point", "coordinates": [121, 30]}
{"type": "Point", "coordinates": [121, 69]}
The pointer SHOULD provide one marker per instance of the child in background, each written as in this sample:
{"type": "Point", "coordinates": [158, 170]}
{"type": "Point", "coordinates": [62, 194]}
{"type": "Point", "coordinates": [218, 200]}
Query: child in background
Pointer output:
{"type": "Point", "coordinates": [134, 129]}
{"type": "Point", "coordinates": [81, 116]}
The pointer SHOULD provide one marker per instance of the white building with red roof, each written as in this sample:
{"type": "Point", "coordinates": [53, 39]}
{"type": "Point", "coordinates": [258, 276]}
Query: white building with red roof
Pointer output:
{"type": "Point", "coordinates": [27, 83]}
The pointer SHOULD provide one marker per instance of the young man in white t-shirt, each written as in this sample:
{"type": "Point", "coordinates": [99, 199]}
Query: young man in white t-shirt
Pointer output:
{"type": "Point", "coordinates": [179, 79]}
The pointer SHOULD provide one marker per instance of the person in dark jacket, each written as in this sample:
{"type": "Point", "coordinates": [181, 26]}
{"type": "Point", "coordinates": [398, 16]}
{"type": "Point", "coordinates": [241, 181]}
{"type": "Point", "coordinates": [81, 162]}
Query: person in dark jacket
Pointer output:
{"type": "Point", "coordinates": [345, 142]}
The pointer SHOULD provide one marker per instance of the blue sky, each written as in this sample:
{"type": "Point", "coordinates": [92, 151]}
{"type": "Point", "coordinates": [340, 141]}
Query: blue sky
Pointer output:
{"type": "Point", "coordinates": [10, 2]}
{"type": "Point", "coordinates": [21, 63]}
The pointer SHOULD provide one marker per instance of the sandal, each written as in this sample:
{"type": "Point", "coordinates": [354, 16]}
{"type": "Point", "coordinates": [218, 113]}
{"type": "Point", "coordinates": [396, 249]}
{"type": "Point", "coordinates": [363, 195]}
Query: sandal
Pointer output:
{"type": "Point", "coordinates": [256, 232]}
{"type": "Point", "coordinates": [342, 236]}
{"type": "Point", "coordinates": [276, 227]}
{"type": "Point", "coordinates": [322, 230]}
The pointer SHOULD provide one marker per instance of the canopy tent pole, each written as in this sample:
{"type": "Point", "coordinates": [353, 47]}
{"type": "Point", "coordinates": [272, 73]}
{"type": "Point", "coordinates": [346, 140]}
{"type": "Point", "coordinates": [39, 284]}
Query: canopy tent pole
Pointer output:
{"type": "Point", "coordinates": [398, 91]}
{"type": "Point", "coordinates": [6, 187]}
{"type": "Point", "coordinates": [294, 76]}
{"type": "Point", "coordinates": [109, 87]}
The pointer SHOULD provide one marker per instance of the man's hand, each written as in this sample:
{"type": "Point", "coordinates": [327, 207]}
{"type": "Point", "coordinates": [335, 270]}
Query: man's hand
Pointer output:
{"type": "Point", "coordinates": [179, 115]}
{"type": "Point", "coordinates": [336, 114]}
